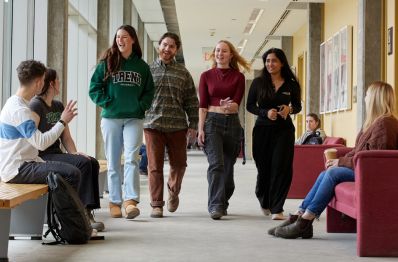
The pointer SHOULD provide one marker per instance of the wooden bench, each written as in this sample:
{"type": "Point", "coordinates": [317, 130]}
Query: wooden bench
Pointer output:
{"type": "Point", "coordinates": [22, 202]}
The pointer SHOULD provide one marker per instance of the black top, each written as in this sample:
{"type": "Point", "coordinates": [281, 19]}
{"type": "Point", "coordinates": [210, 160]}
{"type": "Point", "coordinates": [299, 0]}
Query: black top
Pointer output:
{"type": "Point", "coordinates": [49, 116]}
{"type": "Point", "coordinates": [287, 94]}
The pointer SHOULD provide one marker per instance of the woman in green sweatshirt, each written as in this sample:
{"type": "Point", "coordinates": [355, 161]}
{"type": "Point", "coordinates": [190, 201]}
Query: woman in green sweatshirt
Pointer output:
{"type": "Point", "coordinates": [122, 86]}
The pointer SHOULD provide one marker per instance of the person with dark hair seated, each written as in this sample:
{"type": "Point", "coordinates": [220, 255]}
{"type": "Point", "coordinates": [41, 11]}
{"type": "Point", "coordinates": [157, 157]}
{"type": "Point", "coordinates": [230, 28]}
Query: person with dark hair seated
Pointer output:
{"type": "Point", "coordinates": [48, 111]}
{"type": "Point", "coordinates": [143, 161]}
{"type": "Point", "coordinates": [314, 135]}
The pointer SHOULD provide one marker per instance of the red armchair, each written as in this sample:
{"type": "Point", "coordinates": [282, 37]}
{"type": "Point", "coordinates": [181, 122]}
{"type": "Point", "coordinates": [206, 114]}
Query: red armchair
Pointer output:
{"type": "Point", "coordinates": [369, 205]}
{"type": "Point", "coordinates": [308, 162]}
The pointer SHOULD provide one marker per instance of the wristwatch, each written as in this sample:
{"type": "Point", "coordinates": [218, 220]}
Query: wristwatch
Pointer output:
{"type": "Point", "coordinates": [62, 122]}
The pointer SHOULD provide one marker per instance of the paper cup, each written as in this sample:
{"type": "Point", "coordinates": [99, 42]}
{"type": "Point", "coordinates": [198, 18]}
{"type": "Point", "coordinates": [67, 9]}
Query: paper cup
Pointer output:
{"type": "Point", "coordinates": [330, 153]}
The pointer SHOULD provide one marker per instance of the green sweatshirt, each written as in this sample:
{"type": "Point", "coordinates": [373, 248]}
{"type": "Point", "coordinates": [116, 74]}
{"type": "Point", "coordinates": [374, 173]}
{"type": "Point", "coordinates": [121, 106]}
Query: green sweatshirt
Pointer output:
{"type": "Point", "coordinates": [128, 93]}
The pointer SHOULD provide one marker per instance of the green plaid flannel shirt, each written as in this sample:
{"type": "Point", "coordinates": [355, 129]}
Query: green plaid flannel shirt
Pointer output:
{"type": "Point", "coordinates": [175, 104]}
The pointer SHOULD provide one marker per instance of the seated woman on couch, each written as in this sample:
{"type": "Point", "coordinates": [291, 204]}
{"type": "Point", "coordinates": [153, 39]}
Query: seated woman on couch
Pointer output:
{"type": "Point", "coordinates": [379, 131]}
{"type": "Point", "coordinates": [314, 134]}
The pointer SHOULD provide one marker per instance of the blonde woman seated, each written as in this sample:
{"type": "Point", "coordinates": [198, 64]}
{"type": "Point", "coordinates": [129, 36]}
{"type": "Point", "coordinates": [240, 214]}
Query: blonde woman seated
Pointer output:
{"type": "Point", "coordinates": [379, 132]}
{"type": "Point", "coordinates": [314, 134]}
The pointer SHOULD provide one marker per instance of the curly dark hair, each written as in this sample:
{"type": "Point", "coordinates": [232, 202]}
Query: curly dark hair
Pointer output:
{"type": "Point", "coordinates": [30, 70]}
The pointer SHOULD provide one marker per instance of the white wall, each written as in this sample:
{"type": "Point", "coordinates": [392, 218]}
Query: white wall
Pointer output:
{"type": "Point", "coordinates": [22, 36]}
{"type": "Point", "coordinates": [115, 17]}
{"type": "Point", "coordinates": [1, 51]}
{"type": "Point", "coordinates": [28, 39]}
{"type": "Point", "coordinates": [40, 31]}
{"type": "Point", "coordinates": [82, 49]}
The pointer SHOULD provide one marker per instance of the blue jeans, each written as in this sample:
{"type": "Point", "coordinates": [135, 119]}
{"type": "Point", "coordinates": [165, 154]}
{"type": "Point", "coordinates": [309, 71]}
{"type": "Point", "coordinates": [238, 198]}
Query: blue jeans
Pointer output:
{"type": "Point", "coordinates": [123, 134]}
{"type": "Point", "coordinates": [323, 190]}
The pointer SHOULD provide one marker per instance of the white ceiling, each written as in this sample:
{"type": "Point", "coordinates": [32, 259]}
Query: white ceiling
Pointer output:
{"type": "Point", "coordinates": [203, 23]}
{"type": "Point", "coordinates": [151, 14]}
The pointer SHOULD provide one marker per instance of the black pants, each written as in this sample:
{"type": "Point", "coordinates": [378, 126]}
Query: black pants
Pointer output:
{"type": "Point", "coordinates": [273, 149]}
{"type": "Point", "coordinates": [222, 145]}
{"type": "Point", "coordinates": [88, 189]}
{"type": "Point", "coordinates": [37, 172]}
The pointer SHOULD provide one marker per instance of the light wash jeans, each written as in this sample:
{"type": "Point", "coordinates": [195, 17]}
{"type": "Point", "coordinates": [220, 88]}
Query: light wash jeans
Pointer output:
{"type": "Point", "coordinates": [119, 135]}
{"type": "Point", "coordinates": [323, 190]}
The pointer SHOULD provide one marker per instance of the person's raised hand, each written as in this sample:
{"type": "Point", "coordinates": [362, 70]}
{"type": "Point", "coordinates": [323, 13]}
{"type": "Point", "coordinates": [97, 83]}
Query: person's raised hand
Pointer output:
{"type": "Point", "coordinates": [69, 112]}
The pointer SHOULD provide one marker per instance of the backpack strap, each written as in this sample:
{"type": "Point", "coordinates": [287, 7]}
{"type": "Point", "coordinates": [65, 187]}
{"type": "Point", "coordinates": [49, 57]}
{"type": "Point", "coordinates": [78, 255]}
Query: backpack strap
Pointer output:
{"type": "Point", "coordinates": [52, 223]}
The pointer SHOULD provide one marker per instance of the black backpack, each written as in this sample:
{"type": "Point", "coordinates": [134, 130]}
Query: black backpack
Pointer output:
{"type": "Point", "coordinates": [66, 217]}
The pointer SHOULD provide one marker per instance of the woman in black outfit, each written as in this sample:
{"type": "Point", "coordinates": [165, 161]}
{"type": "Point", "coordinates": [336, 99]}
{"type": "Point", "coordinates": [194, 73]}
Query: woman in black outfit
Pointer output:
{"type": "Point", "coordinates": [273, 97]}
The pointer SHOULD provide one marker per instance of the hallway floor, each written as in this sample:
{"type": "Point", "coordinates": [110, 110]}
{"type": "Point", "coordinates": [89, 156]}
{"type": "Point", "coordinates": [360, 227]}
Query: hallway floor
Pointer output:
{"type": "Point", "coordinates": [190, 235]}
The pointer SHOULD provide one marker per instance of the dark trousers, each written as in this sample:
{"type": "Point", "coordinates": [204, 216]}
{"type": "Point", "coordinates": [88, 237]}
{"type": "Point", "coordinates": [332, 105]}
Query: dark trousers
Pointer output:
{"type": "Point", "coordinates": [88, 189]}
{"type": "Point", "coordinates": [222, 145]}
{"type": "Point", "coordinates": [37, 172]}
{"type": "Point", "coordinates": [144, 159]}
{"type": "Point", "coordinates": [176, 143]}
{"type": "Point", "coordinates": [273, 149]}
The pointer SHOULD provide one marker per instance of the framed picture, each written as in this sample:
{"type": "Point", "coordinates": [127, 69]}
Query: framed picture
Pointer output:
{"type": "Point", "coordinates": [329, 74]}
{"type": "Point", "coordinates": [322, 84]}
{"type": "Point", "coordinates": [345, 68]}
{"type": "Point", "coordinates": [335, 72]}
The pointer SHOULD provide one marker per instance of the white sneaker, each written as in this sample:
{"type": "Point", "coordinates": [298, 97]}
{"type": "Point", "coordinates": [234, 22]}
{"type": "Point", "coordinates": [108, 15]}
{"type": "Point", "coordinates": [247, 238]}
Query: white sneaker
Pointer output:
{"type": "Point", "coordinates": [94, 233]}
{"type": "Point", "coordinates": [278, 216]}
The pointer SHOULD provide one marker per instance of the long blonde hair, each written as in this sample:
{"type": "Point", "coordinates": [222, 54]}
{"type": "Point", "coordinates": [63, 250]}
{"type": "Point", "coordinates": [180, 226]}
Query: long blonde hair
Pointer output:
{"type": "Point", "coordinates": [237, 61]}
{"type": "Point", "coordinates": [381, 102]}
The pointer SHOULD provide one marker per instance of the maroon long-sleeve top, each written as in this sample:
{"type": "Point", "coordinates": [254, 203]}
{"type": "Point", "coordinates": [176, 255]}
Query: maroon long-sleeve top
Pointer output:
{"type": "Point", "coordinates": [220, 83]}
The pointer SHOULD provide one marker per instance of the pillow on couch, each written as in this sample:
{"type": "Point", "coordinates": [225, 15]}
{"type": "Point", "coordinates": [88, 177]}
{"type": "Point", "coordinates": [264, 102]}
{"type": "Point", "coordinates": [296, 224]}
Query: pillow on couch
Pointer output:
{"type": "Point", "coordinates": [330, 140]}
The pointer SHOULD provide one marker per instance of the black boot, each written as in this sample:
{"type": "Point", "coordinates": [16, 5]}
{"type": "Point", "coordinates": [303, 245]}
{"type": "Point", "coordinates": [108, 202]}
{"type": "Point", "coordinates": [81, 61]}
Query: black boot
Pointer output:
{"type": "Point", "coordinates": [289, 221]}
{"type": "Point", "coordinates": [301, 228]}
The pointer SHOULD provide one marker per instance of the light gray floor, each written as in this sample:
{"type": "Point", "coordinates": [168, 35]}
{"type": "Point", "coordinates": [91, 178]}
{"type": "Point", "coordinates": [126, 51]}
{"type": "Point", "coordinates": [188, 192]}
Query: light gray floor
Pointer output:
{"type": "Point", "coordinates": [190, 235]}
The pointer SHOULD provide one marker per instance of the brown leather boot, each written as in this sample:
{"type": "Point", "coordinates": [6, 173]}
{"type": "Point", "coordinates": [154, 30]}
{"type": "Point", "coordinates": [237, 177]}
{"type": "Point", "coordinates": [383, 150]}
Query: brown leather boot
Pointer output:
{"type": "Point", "coordinates": [131, 208]}
{"type": "Point", "coordinates": [157, 212]}
{"type": "Point", "coordinates": [289, 221]}
{"type": "Point", "coordinates": [115, 210]}
{"type": "Point", "coordinates": [172, 203]}
{"type": "Point", "coordinates": [301, 228]}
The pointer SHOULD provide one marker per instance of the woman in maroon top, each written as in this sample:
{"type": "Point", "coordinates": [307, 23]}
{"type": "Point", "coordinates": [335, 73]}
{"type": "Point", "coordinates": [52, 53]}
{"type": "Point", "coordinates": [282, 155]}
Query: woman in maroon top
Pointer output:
{"type": "Point", "coordinates": [380, 131]}
{"type": "Point", "coordinates": [273, 97]}
{"type": "Point", "coordinates": [221, 90]}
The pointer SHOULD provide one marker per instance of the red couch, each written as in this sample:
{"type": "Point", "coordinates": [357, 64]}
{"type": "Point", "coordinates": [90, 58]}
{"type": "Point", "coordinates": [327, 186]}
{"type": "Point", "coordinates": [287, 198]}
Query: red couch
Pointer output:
{"type": "Point", "coordinates": [369, 205]}
{"type": "Point", "coordinates": [308, 163]}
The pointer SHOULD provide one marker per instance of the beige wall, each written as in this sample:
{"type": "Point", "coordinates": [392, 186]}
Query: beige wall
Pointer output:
{"type": "Point", "coordinates": [392, 60]}
{"type": "Point", "coordinates": [299, 51]}
{"type": "Point", "coordinates": [339, 13]}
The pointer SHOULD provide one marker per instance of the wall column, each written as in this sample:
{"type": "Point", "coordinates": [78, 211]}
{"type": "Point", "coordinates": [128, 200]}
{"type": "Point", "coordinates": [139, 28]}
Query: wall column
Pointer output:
{"type": "Point", "coordinates": [315, 37]}
{"type": "Point", "coordinates": [287, 47]}
{"type": "Point", "coordinates": [102, 44]}
{"type": "Point", "coordinates": [127, 12]}
{"type": "Point", "coordinates": [369, 51]}
{"type": "Point", "coordinates": [57, 41]}
{"type": "Point", "coordinates": [149, 50]}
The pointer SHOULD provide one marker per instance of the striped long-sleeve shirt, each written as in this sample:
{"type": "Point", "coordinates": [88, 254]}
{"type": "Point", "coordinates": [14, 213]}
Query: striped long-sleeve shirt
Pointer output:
{"type": "Point", "coordinates": [175, 104]}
